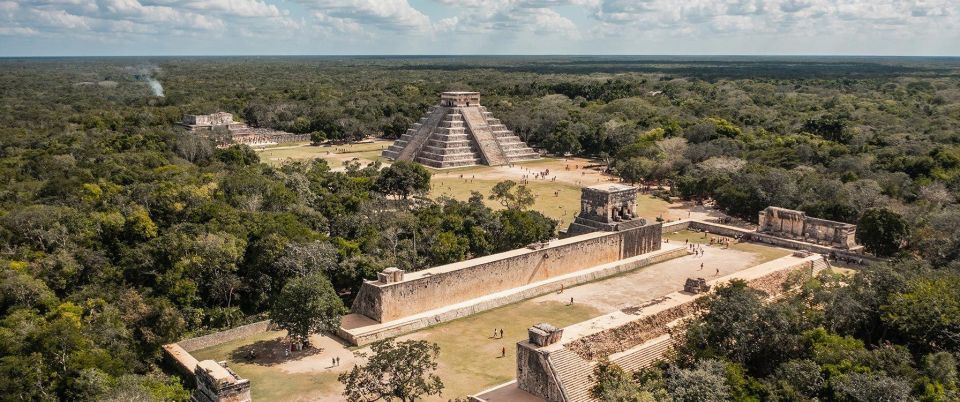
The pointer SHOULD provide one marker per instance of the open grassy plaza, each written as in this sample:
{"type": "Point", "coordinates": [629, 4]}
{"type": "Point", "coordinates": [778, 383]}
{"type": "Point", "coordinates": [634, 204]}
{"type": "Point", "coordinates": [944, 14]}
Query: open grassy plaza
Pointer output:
{"type": "Point", "coordinates": [557, 193]}
{"type": "Point", "coordinates": [335, 155]}
{"type": "Point", "coordinates": [469, 358]}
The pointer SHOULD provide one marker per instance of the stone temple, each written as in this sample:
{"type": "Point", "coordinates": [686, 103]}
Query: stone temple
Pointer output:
{"type": "Point", "coordinates": [459, 132]}
{"type": "Point", "coordinates": [606, 208]}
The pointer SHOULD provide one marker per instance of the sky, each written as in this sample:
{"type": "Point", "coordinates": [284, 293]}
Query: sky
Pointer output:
{"type": "Point", "coordinates": [441, 27]}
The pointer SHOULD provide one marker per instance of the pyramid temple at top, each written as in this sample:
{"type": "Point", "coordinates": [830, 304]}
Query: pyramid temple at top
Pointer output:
{"type": "Point", "coordinates": [459, 132]}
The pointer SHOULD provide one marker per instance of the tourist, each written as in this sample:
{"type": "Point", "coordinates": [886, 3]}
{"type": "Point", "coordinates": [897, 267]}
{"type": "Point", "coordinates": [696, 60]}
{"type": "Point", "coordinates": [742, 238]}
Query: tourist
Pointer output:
{"type": "Point", "coordinates": [701, 267]}
{"type": "Point", "coordinates": [494, 333]}
{"type": "Point", "coordinates": [333, 361]}
{"type": "Point", "coordinates": [501, 333]}
{"type": "Point", "coordinates": [503, 351]}
{"type": "Point", "coordinates": [571, 301]}
{"type": "Point", "coordinates": [338, 360]}
{"type": "Point", "coordinates": [718, 271]}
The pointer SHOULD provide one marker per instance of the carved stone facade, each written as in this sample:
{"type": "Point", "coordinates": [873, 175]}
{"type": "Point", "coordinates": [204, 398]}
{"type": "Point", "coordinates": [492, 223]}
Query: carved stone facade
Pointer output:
{"type": "Point", "coordinates": [239, 133]}
{"type": "Point", "coordinates": [459, 132]}
{"type": "Point", "coordinates": [195, 122]}
{"type": "Point", "coordinates": [795, 224]}
{"type": "Point", "coordinates": [606, 208]}
{"type": "Point", "coordinates": [217, 383]}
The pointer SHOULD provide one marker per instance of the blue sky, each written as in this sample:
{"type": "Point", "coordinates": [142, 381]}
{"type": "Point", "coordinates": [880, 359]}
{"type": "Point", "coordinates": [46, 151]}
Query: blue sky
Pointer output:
{"type": "Point", "coordinates": [238, 27]}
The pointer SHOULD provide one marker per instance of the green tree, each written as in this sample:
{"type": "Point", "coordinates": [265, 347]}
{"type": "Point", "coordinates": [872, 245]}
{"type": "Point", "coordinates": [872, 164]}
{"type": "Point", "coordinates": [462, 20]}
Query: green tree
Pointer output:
{"type": "Point", "coordinates": [307, 305]}
{"type": "Point", "coordinates": [882, 231]}
{"type": "Point", "coordinates": [396, 371]}
{"type": "Point", "coordinates": [511, 195]}
{"type": "Point", "coordinates": [927, 313]}
{"type": "Point", "coordinates": [612, 384]}
{"type": "Point", "coordinates": [403, 179]}
{"type": "Point", "coordinates": [237, 155]}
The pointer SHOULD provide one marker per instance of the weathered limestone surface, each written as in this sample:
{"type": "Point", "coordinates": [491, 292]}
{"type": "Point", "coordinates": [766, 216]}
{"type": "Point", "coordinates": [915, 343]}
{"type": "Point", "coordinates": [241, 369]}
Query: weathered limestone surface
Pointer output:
{"type": "Point", "coordinates": [459, 132]}
{"type": "Point", "coordinates": [207, 121]}
{"type": "Point", "coordinates": [452, 283]}
{"type": "Point", "coordinates": [559, 371]}
{"type": "Point", "coordinates": [797, 225]}
{"type": "Point", "coordinates": [217, 383]}
{"type": "Point", "coordinates": [607, 208]}
{"type": "Point", "coordinates": [361, 330]}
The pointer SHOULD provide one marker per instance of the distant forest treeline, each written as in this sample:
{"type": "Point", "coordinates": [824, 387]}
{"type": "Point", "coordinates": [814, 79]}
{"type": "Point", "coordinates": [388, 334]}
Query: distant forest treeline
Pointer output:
{"type": "Point", "coordinates": [120, 232]}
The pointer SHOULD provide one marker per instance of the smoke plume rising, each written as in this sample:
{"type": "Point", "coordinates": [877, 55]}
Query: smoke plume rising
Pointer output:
{"type": "Point", "coordinates": [155, 86]}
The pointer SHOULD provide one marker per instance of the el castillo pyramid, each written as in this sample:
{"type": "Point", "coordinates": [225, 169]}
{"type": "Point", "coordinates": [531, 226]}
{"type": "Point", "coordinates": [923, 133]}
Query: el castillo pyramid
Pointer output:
{"type": "Point", "coordinates": [459, 132]}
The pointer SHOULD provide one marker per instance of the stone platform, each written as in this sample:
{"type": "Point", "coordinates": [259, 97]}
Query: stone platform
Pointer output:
{"type": "Point", "coordinates": [459, 132]}
{"type": "Point", "coordinates": [359, 329]}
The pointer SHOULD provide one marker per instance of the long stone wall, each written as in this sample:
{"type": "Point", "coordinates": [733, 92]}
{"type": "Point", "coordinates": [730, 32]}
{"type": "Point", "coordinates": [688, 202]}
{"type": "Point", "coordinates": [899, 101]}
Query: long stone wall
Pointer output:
{"type": "Point", "coordinates": [750, 235]}
{"type": "Point", "coordinates": [453, 283]}
{"type": "Point", "coordinates": [217, 338]}
{"type": "Point", "coordinates": [588, 275]}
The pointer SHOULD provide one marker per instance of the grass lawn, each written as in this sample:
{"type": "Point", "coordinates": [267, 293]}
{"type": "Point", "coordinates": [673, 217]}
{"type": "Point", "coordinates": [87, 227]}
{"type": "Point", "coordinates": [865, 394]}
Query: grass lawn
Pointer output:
{"type": "Point", "coordinates": [270, 383]}
{"type": "Point", "coordinates": [764, 253]}
{"type": "Point", "coordinates": [561, 208]}
{"type": "Point", "coordinates": [334, 154]}
{"type": "Point", "coordinates": [470, 358]}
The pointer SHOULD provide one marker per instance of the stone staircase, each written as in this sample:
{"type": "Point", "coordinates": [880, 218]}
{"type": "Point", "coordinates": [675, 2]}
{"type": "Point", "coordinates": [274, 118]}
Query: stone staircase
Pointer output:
{"type": "Point", "coordinates": [484, 136]}
{"type": "Point", "coordinates": [409, 144]}
{"type": "Point", "coordinates": [513, 148]}
{"type": "Point", "coordinates": [644, 355]}
{"type": "Point", "coordinates": [455, 136]}
{"type": "Point", "coordinates": [573, 373]}
{"type": "Point", "coordinates": [449, 145]}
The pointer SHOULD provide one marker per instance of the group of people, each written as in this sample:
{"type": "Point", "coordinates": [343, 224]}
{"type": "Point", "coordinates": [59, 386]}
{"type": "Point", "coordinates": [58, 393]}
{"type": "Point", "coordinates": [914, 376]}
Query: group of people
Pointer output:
{"type": "Point", "coordinates": [722, 241]}
{"type": "Point", "coordinates": [695, 248]}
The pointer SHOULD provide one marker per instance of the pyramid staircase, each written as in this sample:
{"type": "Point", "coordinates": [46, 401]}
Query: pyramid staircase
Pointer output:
{"type": "Point", "coordinates": [449, 137]}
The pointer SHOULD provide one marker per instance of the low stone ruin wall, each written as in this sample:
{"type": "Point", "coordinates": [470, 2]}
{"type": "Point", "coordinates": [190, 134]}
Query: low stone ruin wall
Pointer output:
{"type": "Point", "coordinates": [178, 354]}
{"type": "Point", "coordinates": [454, 283]}
{"type": "Point", "coordinates": [732, 231]}
{"type": "Point", "coordinates": [217, 338]}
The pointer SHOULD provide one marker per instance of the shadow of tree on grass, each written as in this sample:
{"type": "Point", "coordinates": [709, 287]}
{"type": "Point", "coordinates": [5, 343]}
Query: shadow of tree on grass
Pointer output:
{"type": "Point", "coordinates": [270, 352]}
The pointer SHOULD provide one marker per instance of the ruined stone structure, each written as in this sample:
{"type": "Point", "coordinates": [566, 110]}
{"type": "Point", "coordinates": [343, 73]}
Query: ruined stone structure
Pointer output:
{"type": "Point", "coordinates": [698, 285]}
{"type": "Point", "coordinates": [395, 295]}
{"type": "Point", "coordinates": [606, 208]}
{"type": "Point", "coordinates": [797, 225]}
{"type": "Point", "coordinates": [195, 122]}
{"type": "Point", "coordinates": [240, 133]}
{"type": "Point", "coordinates": [217, 383]}
{"type": "Point", "coordinates": [459, 132]}
{"type": "Point", "coordinates": [555, 364]}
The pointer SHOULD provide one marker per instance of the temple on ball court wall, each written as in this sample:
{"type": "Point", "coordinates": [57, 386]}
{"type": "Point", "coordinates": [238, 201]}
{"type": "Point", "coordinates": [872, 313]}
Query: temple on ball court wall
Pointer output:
{"type": "Point", "coordinates": [459, 132]}
{"type": "Point", "coordinates": [606, 208]}
{"type": "Point", "coordinates": [794, 224]}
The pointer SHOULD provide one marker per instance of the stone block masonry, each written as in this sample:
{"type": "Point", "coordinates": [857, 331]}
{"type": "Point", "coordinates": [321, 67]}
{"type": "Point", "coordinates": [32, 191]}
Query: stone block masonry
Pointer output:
{"type": "Point", "coordinates": [441, 286]}
{"type": "Point", "coordinates": [560, 370]}
{"type": "Point", "coordinates": [459, 132]}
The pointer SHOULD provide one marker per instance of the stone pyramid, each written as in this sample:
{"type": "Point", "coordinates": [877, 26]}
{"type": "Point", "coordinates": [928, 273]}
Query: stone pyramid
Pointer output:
{"type": "Point", "coordinates": [459, 132]}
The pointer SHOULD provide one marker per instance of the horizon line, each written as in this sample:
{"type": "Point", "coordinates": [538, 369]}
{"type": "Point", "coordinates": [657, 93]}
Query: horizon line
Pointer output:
{"type": "Point", "coordinates": [488, 55]}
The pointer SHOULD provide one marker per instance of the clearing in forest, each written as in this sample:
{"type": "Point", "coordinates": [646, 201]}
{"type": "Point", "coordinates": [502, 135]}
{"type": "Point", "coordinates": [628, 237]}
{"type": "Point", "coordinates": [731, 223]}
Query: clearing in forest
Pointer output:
{"type": "Point", "coordinates": [469, 354]}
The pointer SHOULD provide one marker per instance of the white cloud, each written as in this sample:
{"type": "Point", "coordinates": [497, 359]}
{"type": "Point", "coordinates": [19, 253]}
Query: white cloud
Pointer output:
{"type": "Point", "coordinates": [393, 15]}
{"type": "Point", "coordinates": [397, 26]}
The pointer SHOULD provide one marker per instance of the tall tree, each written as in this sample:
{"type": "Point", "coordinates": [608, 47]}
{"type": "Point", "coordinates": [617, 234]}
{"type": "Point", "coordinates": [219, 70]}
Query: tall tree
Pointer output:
{"type": "Point", "coordinates": [307, 305]}
{"type": "Point", "coordinates": [397, 371]}
{"type": "Point", "coordinates": [511, 195]}
{"type": "Point", "coordinates": [882, 231]}
{"type": "Point", "coordinates": [403, 179]}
